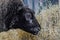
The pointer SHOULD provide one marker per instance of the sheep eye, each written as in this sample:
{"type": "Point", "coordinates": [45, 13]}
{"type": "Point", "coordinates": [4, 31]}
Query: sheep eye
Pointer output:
{"type": "Point", "coordinates": [28, 16]}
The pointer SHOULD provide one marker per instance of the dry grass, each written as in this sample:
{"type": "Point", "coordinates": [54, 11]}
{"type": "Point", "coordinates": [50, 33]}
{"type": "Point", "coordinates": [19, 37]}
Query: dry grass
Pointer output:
{"type": "Point", "coordinates": [50, 23]}
{"type": "Point", "coordinates": [49, 20]}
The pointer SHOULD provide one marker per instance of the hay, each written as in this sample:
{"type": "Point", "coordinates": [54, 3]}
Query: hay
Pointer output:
{"type": "Point", "coordinates": [49, 20]}
{"type": "Point", "coordinates": [50, 23]}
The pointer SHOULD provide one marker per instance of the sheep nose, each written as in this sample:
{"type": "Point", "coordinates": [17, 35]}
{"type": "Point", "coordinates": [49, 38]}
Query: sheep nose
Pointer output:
{"type": "Point", "coordinates": [35, 30]}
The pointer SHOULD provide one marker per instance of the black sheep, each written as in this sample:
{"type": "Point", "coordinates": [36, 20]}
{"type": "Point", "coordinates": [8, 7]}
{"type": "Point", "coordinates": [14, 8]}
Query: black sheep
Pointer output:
{"type": "Point", "coordinates": [21, 17]}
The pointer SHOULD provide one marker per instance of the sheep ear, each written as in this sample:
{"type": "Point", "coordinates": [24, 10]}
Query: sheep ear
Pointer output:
{"type": "Point", "coordinates": [19, 8]}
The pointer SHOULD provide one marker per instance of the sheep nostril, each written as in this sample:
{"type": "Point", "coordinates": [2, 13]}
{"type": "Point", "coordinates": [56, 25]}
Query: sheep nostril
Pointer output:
{"type": "Point", "coordinates": [37, 29]}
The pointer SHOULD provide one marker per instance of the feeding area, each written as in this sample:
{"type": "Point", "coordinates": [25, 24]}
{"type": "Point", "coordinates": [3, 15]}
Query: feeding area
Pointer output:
{"type": "Point", "coordinates": [49, 20]}
{"type": "Point", "coordinates": [47, 17]}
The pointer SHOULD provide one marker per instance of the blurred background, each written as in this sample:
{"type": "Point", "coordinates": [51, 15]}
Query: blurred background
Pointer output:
{"type": "Point", "coordinates": [39, 5]}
